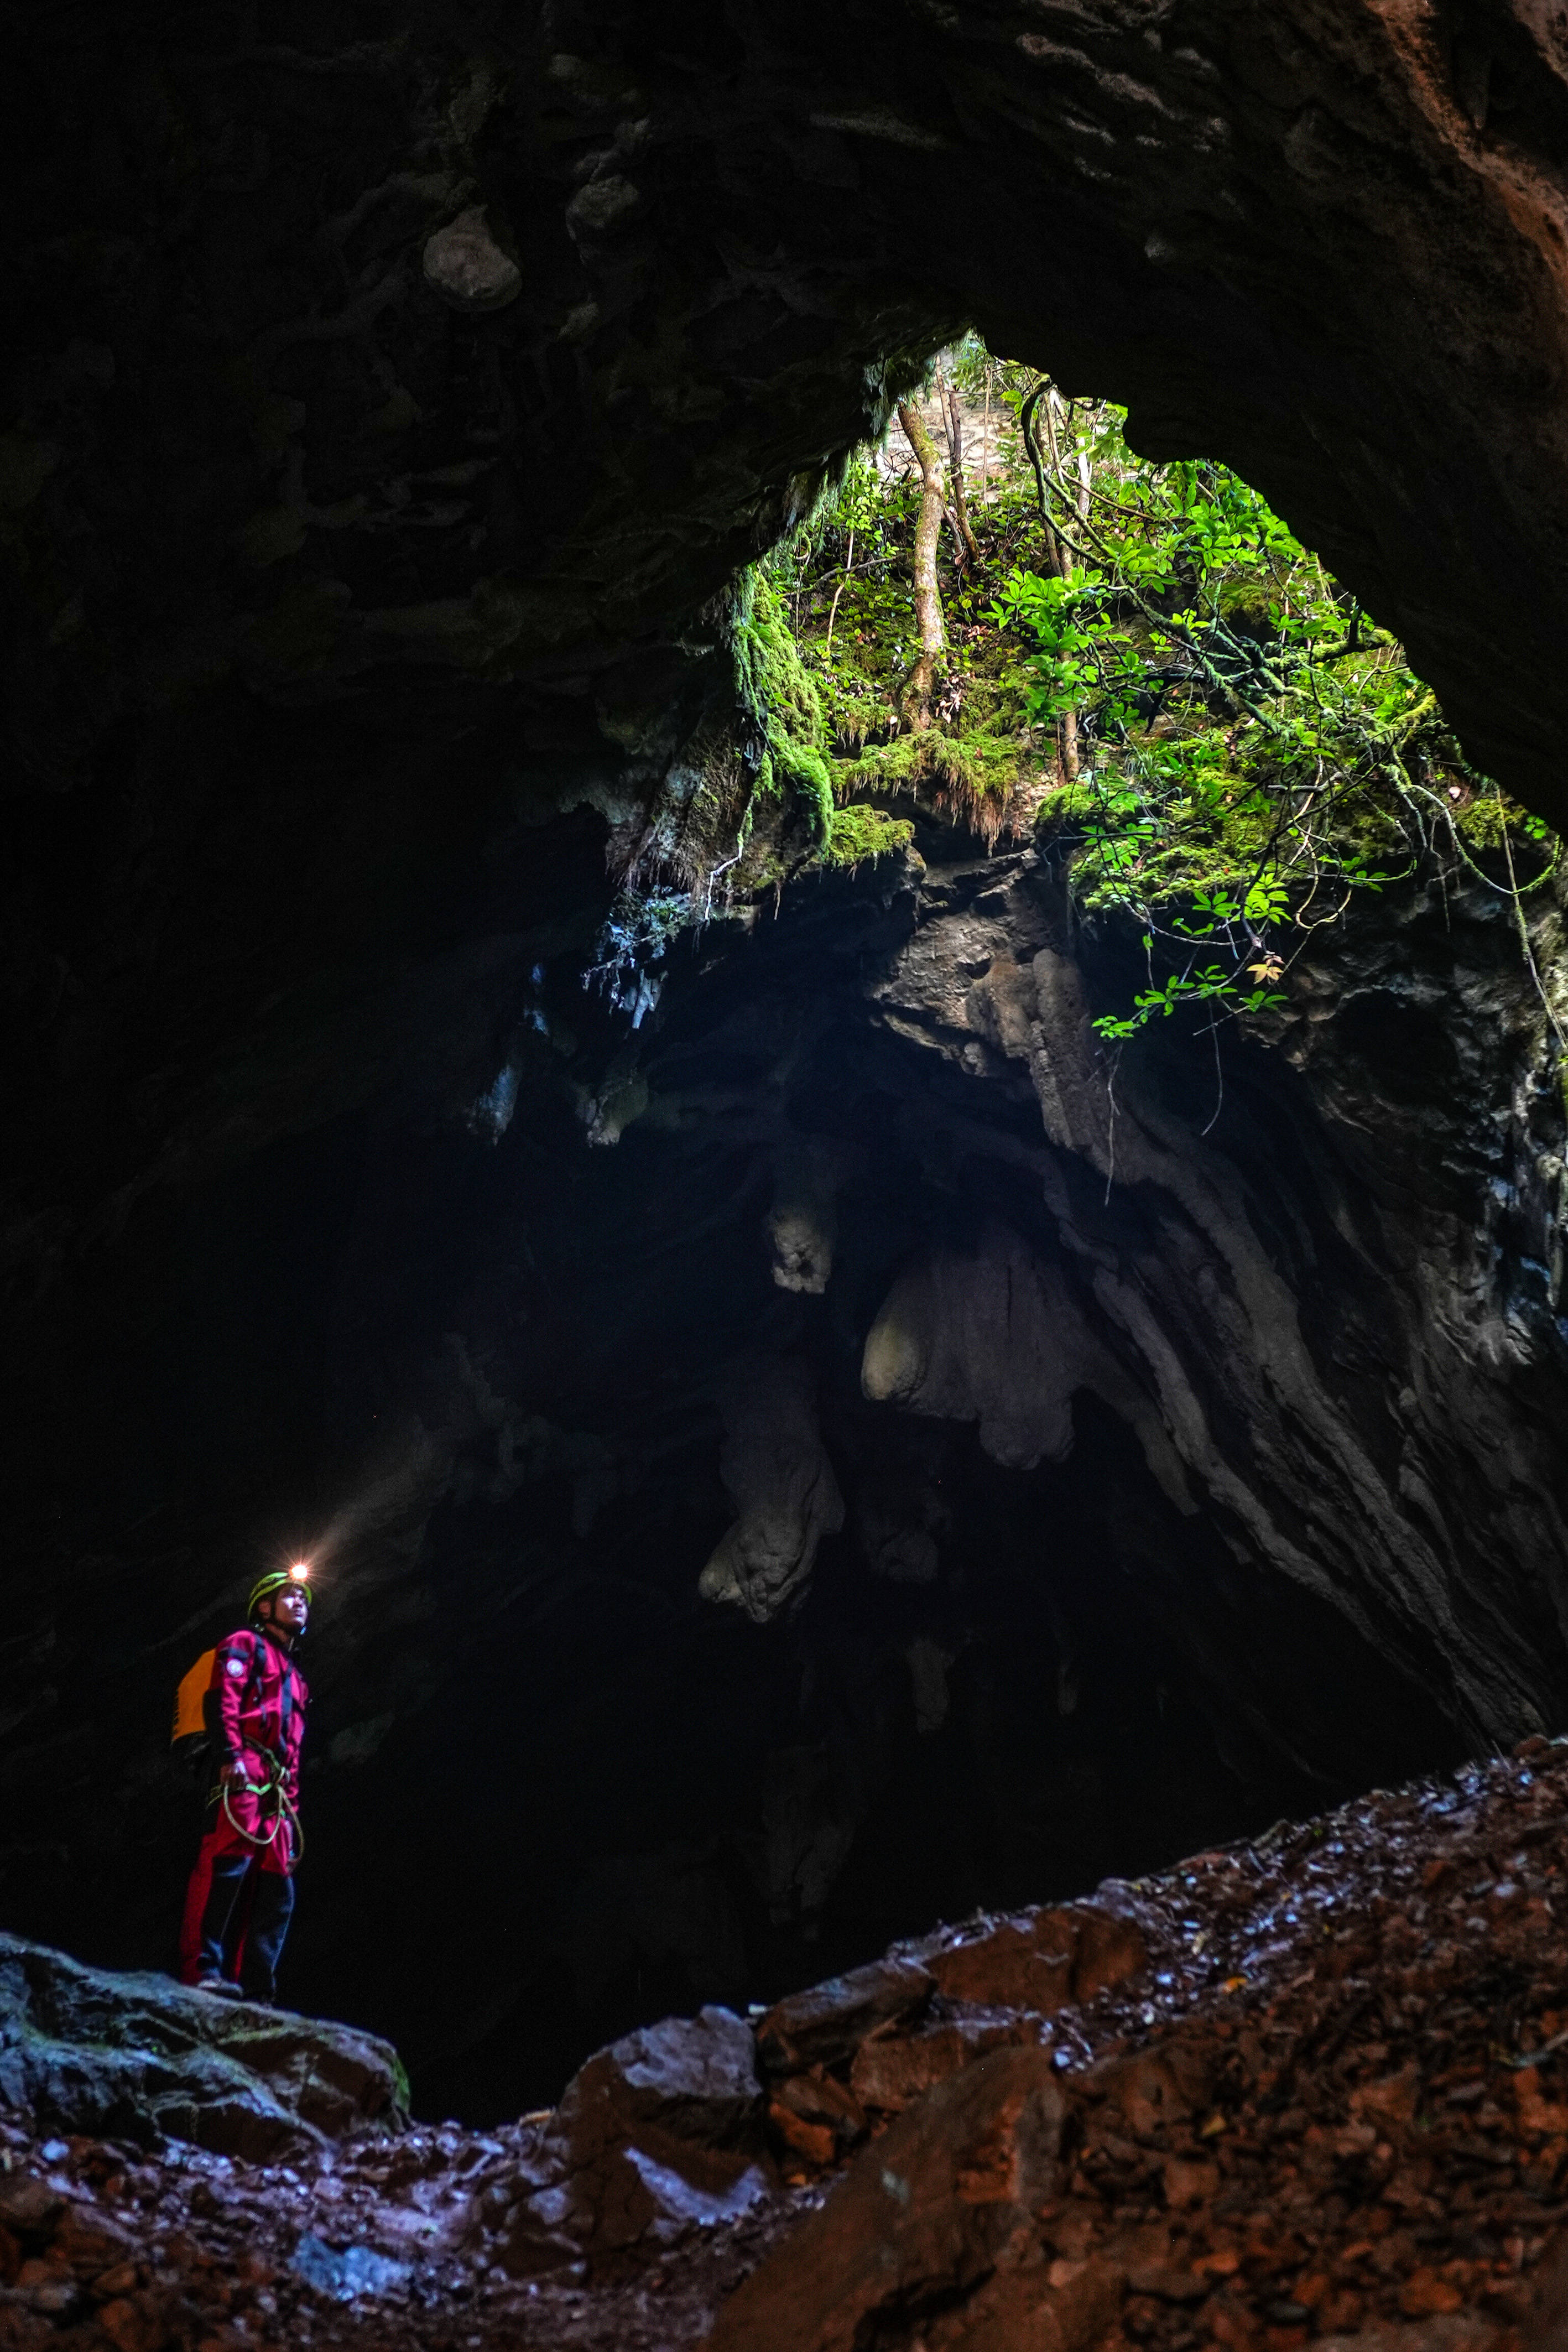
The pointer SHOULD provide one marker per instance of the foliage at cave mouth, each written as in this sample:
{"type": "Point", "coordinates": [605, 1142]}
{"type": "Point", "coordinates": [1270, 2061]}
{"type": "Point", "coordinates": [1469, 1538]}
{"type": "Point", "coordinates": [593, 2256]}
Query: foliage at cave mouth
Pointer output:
{"type": "Point", "coordinates": [1137, 664]}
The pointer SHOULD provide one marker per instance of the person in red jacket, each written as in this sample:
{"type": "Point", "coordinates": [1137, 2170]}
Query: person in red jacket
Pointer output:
{"type": "Point", "coordinates": [241, 1894]}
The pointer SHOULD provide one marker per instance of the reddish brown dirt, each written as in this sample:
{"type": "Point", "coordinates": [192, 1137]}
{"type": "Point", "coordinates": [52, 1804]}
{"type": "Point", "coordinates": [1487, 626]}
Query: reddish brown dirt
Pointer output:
{"type": "Point", "coordinates": [1334, 2107]}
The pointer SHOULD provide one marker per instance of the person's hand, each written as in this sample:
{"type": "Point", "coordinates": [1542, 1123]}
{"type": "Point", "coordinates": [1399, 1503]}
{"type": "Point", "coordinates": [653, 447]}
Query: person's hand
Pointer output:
{"type": "Point", "coordinates": [234, 1776]}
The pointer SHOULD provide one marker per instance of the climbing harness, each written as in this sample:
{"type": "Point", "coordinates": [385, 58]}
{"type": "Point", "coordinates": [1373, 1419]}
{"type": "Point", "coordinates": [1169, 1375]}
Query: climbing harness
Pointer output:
{"type": "Point", "coordinates": [282, 1809]}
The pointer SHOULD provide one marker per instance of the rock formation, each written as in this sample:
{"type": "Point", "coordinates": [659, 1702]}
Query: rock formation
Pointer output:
{"type": "Point", "coordinates": [1124, 1484]}
{"type": "Point", "coordinates": [1116, 1456]}
{"type": "Point", "coordinates": [139, 2058]}
{"type": "Point", "coordinates": [1304, 2088]}
{"type": "Point", "coordinates": [776, 1470]}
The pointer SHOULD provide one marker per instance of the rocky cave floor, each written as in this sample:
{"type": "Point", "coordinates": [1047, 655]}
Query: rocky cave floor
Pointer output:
{"type": "Point", "coordinates": [1305, 2088]}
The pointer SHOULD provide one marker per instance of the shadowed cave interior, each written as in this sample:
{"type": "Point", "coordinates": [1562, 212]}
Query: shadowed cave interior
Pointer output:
{"type": "Point", "coordinates": [553, 1791]}
{"type": "Point", "coordinates": [1106, 1476]}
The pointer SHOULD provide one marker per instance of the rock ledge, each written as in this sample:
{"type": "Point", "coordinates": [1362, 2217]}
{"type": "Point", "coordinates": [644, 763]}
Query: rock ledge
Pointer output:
{"type": "Point", "coordinates": [139, 2057]}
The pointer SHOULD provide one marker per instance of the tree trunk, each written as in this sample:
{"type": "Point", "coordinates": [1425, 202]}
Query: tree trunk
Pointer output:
{"type": "Point", "coordinates": [954, 421]}
{"type": "Point", "coordinates": [916, 697]}
{"type": "Point", "coordinates": [1067, 736]}
{"type": "Point", "coordinates": [833, 607]}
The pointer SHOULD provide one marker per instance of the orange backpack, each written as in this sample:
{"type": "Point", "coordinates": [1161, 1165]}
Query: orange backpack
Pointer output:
{"type": "Point", "coordinates": [189, 1709]}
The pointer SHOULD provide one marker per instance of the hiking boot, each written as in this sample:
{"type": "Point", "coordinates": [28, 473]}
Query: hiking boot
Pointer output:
{"type": "Point", "coordinates": [221, 1986]}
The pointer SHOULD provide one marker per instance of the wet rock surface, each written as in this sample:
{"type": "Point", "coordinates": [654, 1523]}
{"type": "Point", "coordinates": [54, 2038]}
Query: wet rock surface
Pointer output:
{"type": "Point", "coordinates": [1306, 2092]}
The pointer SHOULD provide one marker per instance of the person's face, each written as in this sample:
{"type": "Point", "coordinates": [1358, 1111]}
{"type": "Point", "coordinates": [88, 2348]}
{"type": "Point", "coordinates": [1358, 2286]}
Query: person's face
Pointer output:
{"type": "Point", "coordinates": [289, 1609]}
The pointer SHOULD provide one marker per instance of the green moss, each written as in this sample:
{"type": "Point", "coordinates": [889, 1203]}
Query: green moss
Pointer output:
{"type": "Point", "coordinates": [859, 832]}
{"type": "Point", "coordinates": [780, 697]}
{"type": "Point", "coordinates": [857, 712]}
{"type": "Point", "coordinates": [1488, 820]}
{"type": "Point", "coordinates": [971, 768]}
{"type": "Point", "coordinates": [1166, 822]}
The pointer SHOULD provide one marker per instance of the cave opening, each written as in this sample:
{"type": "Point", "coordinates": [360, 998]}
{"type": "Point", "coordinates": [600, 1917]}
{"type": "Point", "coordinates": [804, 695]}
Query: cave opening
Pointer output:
{"type": "Point", "coordinates": [813, 1459]}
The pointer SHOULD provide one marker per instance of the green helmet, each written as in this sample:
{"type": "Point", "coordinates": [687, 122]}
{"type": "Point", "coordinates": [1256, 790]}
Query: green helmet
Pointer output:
{"type": "Point", "coordinates": [276, 1581]}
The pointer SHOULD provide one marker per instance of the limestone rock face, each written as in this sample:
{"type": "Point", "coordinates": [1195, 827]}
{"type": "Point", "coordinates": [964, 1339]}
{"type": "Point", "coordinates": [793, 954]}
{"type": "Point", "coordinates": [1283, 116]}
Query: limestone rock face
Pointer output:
{"type": "Point", "coordinates": [776, 1469]}
{"type": "Point", "coordinates": [464, 265]}
{"type": "Point", "coordinates": [143, 2058]}
{"type": "Point", "coordinates": [999, 1332]}
{"type": "Point", "coordinates": [991, 1337]}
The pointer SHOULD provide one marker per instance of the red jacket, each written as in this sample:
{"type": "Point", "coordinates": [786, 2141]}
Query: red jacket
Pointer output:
{"type": "Point", "coordinates": [257, 1699]}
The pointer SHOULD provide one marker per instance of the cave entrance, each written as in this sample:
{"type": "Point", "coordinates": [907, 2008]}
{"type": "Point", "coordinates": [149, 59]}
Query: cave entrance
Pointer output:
{"type": "Point", "coordinates": [985, 1632]}
{"type": "Point", "coordinates": [814, 1441]}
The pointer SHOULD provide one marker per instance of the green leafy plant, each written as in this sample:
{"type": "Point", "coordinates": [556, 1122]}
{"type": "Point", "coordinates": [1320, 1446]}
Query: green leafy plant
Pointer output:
{"type": "Point", "coordinates": [1253, 753]}
{"type": "Point", "coordinates": [1142, 662]}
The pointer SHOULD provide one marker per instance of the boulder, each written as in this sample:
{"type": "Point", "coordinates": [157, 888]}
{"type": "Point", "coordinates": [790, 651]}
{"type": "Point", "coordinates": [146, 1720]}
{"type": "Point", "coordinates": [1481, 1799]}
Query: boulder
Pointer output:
{"type": "Point", "coordinates": [1024, 1962]}
{"type": "Point", "coordinates": [691, 2078]}
{"type": "Point", "coordinates": [1109, 1948]}
{"type": "Point", "coordinates": [927, 2214]}
{"type": "Point", "coordinates": [891, 2069]}
{"type": "Point", "coordinates": [1036, 1959]}
{"type": "Point", "coordinates": [348, 2273]}
{"type": "Point", "coordinates": [827, 2023]}
{"type": "Point", "coordinates": [655, 2135]}
{"type": "Point", "coordinates": [466, 267]}
{"type": "Point", "coordinates": [139, 2057]}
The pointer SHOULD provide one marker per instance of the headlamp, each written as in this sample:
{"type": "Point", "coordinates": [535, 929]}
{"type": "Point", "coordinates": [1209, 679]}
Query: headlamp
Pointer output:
{"type": "Point", "coordinates": [281, 1580]}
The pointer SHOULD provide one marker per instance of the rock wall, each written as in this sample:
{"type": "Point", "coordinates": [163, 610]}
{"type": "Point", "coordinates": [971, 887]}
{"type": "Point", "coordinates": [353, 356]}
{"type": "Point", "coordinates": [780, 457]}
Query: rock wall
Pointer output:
{"type": "Point", "coordinates": [1124, 1476]}
{"type": "Point", "coordinates": [1223, 1296]}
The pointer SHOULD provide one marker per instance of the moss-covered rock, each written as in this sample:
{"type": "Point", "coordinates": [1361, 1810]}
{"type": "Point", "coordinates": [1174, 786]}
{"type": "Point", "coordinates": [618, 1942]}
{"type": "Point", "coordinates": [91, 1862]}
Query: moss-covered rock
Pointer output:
{"type": "Point", "coordinates": [860, 832]}
{"type": "Point", "coordinates": [139, 2057]}
{"type": "Point", "coordinates": [781, 700]}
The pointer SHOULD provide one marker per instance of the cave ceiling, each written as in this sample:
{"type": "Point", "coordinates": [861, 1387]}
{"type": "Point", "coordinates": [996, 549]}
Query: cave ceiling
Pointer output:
{"type": "Point", "coordinates": [362, 346]}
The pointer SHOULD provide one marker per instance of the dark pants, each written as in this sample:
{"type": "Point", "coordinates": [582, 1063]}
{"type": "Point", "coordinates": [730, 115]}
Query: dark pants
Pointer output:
{"type": "Point", "coordinates": [236, 1916]}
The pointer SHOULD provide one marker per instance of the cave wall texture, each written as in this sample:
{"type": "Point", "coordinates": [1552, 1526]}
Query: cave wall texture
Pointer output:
{"type": "Point", "coordinates": [801, 1465]}
{"type": "Point", "coordinates": [487, 341]}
